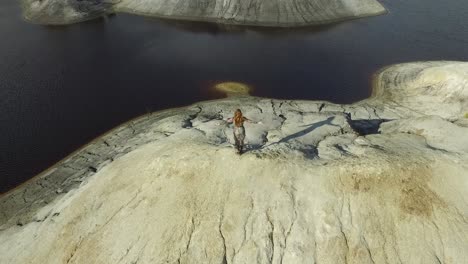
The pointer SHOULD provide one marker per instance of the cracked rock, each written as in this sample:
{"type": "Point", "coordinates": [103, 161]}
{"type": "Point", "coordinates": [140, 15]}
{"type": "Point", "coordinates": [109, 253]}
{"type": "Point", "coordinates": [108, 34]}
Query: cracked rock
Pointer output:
{"type": "Point", "coordinates": [319, 183]}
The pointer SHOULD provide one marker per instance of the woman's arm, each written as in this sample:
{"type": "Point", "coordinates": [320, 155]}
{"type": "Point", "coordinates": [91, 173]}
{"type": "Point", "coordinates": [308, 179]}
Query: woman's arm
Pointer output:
{"type": "Point", "coordinates": [227, 120]}
{"type": "Point", "coordinates": [250, 121]}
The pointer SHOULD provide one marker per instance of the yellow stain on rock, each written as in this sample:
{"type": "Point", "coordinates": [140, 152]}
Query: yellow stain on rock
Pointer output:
{"type": "Point", "coordinates": [233, 88]}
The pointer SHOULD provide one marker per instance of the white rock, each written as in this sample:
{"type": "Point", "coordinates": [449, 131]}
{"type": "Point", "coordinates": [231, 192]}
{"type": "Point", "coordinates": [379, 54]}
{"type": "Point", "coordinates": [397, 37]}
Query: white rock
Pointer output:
{"type": "Point", "coordinates": [438, 132]}
{"type": "Point", "coordinates": [429, 88]}
{"type": "Point", "coordinates": [314, 187]}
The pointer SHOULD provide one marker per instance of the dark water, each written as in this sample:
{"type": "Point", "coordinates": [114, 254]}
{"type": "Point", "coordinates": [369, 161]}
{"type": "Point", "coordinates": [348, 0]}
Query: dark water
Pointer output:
{"type": "Point", "coordinates": [60, 87]}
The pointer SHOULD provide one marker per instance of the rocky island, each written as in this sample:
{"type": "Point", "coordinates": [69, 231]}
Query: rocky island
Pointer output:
{"type": "Point", "coordinates": [277, 13]}
{"type": "Point", "coordinates": [383, 180]}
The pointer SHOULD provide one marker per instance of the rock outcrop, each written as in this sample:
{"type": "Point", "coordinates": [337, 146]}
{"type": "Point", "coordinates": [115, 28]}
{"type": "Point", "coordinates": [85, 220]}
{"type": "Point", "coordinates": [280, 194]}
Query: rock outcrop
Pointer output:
{"type": "Point", "coordinates": [279, 13]}
{"type": "Point", "coordinates": [440, 88]}
{"type": "Point", "coordinates": [383, 180]}
{"type": "Point", "coordinates": [62, 12]}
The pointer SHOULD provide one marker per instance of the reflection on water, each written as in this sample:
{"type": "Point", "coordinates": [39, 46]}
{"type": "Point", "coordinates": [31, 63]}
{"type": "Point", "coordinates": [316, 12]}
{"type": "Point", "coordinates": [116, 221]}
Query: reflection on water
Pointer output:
{"type": "Point", "coordinates": [215, 29]}
{"type": "Point", "coordinates": [62, 86]}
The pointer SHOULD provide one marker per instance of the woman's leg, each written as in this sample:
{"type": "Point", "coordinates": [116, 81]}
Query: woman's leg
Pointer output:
{"type": "Point", "coordinates": [236, 141]}
{"type": "Point", "coordinates": [241, 139]}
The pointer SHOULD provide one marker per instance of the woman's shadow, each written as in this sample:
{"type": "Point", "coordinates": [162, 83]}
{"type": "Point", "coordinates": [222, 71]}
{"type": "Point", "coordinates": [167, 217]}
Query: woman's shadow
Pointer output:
{"type": "Point", "coordinates": [309, 128]}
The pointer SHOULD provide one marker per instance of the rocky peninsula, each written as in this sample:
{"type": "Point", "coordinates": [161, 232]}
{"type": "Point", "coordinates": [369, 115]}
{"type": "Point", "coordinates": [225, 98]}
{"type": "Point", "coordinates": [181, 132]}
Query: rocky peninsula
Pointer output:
{"type": "Point", "coordinates": [383, 180]}
{"type": "Point", "coordinates": [282, 13]}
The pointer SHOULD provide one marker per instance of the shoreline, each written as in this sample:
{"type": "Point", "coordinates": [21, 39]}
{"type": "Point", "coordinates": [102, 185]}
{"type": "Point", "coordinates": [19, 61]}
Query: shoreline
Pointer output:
{"type": "Point", "coordinates": [137, 118]}
{"type": "Point", "coordinates": [102, 135]}
{"type": "Point", "coordinates": [375, 94]}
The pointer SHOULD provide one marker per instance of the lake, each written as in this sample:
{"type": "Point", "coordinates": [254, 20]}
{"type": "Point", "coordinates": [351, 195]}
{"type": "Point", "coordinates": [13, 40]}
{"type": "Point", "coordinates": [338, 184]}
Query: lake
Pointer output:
{"type": "Point", "coordinates": [60, 87]}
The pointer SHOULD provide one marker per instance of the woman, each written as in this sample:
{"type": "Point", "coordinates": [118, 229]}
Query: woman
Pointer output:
{"type": "Point", "coordinates": [239, 130]}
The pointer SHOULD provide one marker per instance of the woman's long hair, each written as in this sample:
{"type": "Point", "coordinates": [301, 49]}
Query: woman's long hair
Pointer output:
{"type": "Point", "coordinates": [238, 118]}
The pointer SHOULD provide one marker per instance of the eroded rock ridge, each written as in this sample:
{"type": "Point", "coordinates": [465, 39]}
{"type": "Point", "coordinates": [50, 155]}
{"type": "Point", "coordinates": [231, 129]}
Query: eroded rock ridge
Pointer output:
{"type": "Point", "coordinates": [277, 13]}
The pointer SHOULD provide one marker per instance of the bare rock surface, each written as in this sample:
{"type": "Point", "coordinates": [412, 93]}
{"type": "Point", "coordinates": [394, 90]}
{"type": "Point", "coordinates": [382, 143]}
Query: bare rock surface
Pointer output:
{"type": "Point", "coordinates": [441, 88]}
{"type": "Point", "coordinates": [277, 13]}
{"type": "Point", "coordinates": [383, 180]}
